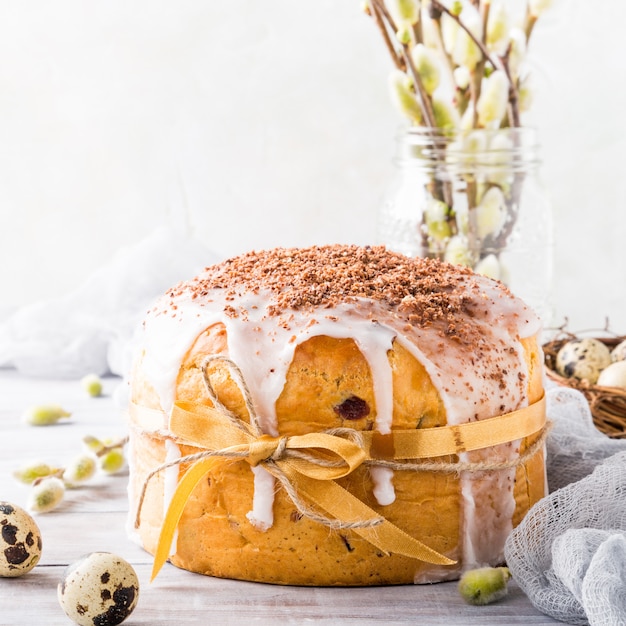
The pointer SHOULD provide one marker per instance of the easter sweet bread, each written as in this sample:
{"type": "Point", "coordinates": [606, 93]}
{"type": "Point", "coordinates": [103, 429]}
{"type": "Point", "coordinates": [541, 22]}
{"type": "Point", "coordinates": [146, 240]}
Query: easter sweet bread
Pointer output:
{"type": "Point", "coordinates": [247, 364]}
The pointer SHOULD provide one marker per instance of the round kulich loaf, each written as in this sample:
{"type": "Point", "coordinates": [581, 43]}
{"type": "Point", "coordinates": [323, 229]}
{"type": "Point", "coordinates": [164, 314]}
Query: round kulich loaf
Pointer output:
{"type": "Point", "coordinates": [327, 337]}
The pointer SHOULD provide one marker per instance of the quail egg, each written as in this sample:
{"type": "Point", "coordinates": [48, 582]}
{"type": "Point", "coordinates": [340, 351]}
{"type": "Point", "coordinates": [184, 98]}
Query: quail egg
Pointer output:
{"type": "Point", "coordinates": [583, 359]}
{"type": "Point", "coordinates": [619, 352]}
{"type": "Point", "coordinates": [20, 541]}
{"type": "Point", "coordinates": [614, 375]}
{"type": "Point", "coordinates": [100, 588]}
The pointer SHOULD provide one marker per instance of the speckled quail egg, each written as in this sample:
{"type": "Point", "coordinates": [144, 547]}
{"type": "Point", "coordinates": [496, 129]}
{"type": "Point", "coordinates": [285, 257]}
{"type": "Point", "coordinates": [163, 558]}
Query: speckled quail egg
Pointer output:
{"type": "Point", "coordinates": [20, 541]}
{"type": "Point", "coordinates": [99, 589]}
{"type": "Point", "coordinates": [614, 375]}
{"type": "Point", "coordinates": [583, 359]}
{"type": "Point", "coordinates": [619, 352]}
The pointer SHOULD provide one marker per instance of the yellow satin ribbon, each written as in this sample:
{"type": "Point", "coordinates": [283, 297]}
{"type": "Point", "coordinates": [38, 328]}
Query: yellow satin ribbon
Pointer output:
{"type": "Point", "coordinates": [328, 457]}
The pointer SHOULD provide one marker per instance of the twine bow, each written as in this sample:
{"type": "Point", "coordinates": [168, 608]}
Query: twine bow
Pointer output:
{"type": "Point", "coordinates": [307, 466]}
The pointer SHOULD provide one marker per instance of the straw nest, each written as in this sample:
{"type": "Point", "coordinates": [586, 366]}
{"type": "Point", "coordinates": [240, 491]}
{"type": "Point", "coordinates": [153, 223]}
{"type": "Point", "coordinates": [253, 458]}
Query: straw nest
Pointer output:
{"type": "Point", "coordinates": [607, 404]}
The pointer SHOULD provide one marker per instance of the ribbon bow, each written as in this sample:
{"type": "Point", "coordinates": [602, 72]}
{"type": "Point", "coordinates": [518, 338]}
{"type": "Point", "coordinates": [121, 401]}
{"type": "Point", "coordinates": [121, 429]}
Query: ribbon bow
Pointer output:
{"type": "Point", "coordinates": [321, 455]}
{"type": "Point", "coordinates": [308, 466]}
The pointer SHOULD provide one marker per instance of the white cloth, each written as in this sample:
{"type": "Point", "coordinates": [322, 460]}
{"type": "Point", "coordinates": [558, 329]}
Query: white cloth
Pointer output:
{"type": "Point", "coordinates": [90, 329]}
{"type": "Point", "coordinates": [569, 552]}
{"type": "Point", "coordinates": [575, 446]}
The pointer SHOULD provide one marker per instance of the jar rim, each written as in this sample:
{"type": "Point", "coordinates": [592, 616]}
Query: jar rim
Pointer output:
{"type": "Point", "coordinates": [427, 144]}
{"type": "Point", "coordinates": [529, 133]}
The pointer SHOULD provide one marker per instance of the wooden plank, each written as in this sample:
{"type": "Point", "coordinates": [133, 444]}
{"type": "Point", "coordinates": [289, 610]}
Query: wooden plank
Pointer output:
{"type": "Point", "coordinates": [179, 597]}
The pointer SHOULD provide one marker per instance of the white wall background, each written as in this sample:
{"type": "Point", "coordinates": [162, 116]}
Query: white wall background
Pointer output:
{"type": "Point", "coordinates": [258, 124]}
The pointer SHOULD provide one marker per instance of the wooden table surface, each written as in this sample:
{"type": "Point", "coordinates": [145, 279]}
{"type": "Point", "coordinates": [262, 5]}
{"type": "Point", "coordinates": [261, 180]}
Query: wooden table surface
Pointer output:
{"type": "Point", "coordinates": [93, 518]}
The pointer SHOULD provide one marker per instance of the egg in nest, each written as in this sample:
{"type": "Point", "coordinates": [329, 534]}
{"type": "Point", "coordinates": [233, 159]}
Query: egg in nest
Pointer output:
{"type": "Point", "coordinates": [583, 359]}
{"type": "Point", "coordinates": [619, 352]}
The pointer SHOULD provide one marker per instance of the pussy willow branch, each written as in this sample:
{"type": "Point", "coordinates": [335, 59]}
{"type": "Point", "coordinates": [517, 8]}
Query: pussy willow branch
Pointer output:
{"type": "Point", "coordinates": [397, 59]}
{"type": "Point", "coordinates": [501, 64]}
{"type": "Point", "coordinates": [107, 448]}
{"type": "Point", "coordinates": [476, 40]}
{"type": "Point", "coordinates": [418, 34]}
{"type": "Point", "coordinates": [380, 5]}
{"type": "Point", "coordinates": [449, 64]}
{"type": "Point", "coordinates": [531, 20]}
{"type": "Point", "coordinates": [476, 79]}
{"type": "Point", "coordinates": [423, 97]}
{"type": "Point", "coordinates": [479, 70]}
{"type": "Point", "coordinates": [425, 101]}
{"type": "Point", "coordinates": [385, 17]}
{"type": "Point", "coordinates": [484, 9]}
{"type": "Point", "coordinates": [402, 58]}
{"type": "Point", "coordinates": [514, 115]}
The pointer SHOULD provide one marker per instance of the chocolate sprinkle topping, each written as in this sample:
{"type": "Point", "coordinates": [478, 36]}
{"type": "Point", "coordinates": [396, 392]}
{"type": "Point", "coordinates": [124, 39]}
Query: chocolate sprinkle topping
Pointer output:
{"type": "Point", "coordinates": [422, 290]}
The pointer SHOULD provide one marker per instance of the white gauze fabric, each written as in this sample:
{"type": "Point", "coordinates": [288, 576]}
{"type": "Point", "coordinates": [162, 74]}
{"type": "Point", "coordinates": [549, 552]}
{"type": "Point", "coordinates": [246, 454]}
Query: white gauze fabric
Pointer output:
{"type": "Point", "coordinates": [569, 552]}
{"type": "Point", "coordinates": [575, 446]}
{"type": "Point", "coordinates": [89, 330]}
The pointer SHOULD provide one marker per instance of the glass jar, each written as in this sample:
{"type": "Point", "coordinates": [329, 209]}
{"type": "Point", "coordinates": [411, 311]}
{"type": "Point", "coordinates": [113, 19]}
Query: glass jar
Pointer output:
{"type": "Point", "coordinates": [474, 198]}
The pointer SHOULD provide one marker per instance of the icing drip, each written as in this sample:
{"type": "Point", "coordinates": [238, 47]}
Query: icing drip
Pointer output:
{"type": "Point", "coordinates": [262, 516]}
{"type": "Point", "coordinates": [488, 509]}
{"type": "Point", "coordinates": [383, 486]}
{"type": "Point", "coordinates": [468, 338]}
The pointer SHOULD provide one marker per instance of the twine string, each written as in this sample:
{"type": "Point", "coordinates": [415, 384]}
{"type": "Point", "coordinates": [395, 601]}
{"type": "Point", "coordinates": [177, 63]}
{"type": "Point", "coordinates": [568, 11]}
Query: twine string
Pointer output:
{"type": "Point", "coordinates": [243, 387]}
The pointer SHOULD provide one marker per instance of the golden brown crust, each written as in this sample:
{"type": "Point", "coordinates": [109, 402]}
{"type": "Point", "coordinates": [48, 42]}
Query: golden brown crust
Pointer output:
{"type": "Point", "coordinates": [215, 536]}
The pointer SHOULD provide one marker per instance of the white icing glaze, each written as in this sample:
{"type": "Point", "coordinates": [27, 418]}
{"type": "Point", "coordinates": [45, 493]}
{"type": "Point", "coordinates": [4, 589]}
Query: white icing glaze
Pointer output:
{"type": "Point", "coordinates": [263, 347]}
{"type": "Point", "coordinates": [262, 515]}
{"type": "Point", "coordinates": [131, 531]}
{"type": "Point", "coordinates": [383, 491]}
